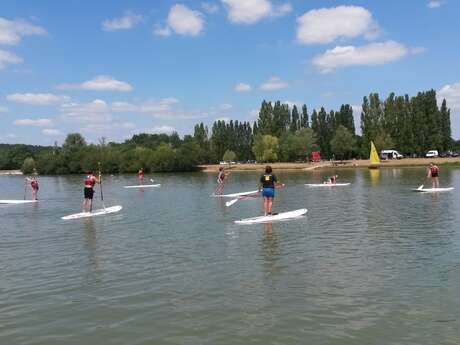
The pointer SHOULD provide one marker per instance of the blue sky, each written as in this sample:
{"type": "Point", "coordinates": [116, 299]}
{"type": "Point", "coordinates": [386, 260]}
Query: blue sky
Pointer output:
{"type": "Point", "coordinates": [116, 68]}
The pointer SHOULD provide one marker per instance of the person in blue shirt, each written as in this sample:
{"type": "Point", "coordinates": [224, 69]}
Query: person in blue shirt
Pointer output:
{"type": "Point", "coordinates": [268, 183]}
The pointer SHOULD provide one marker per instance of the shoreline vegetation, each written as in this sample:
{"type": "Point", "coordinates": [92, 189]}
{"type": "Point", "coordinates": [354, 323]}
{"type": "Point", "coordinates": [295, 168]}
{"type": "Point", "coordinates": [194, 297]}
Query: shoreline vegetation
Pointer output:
{"type": "Point", "coordinates": [281, 133]}
{"type": "Point", "coordinates": [308, 166]}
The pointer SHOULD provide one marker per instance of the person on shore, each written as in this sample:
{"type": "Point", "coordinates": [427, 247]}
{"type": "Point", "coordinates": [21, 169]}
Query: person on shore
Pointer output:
{"type": "Point", "coordinates": [331, 179]}
{"type": "Point", "coordinates": [88, 191]}
{"type": "Point", "coordinates": [221, 181]}
{"type": "Point", "coordinates": [34, 186]}
{"type": "Point", "coordinates": [433, 172]}
{"type": "Point", "coordinates": [268, 183]}
{"type": "Point", "coordinates": [141, 175]}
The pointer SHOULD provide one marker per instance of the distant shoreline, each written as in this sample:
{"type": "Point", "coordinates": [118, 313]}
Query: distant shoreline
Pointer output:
{"type": "Point", "coordinates": [10, 172]}
{"type": "Point", "coordinates": [363, 163]}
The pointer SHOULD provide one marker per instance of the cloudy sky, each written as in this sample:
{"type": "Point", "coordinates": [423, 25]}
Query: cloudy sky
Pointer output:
{"type": "Point", "coordinates": [115, 68]}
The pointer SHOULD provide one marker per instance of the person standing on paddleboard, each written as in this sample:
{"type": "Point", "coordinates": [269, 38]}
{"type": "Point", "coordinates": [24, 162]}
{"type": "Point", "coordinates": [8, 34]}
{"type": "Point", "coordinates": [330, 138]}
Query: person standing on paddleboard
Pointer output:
{"type": "Point", "coordinates": [221, 181]}
{"type": "Point", "coordinates": [88, 191]}
{"type": "Point", "coordinates": [34, 186]}
{"type": "Point", "coordinates": [268, 182]}
{"type": "Point", "coordinates": [433, 172]}
{"type": "Point", "coordinates": [141, 175]}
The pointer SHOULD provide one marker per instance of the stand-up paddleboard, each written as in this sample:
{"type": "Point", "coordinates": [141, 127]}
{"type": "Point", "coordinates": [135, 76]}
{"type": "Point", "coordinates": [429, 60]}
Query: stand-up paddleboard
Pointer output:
{"type": "Point", "coordinates": [144, 186]}
{"type": "Point", "coordinates": [327, 184]}
{"type": "Point", "coordinates": [100, 212]}
{"type": "Point", "coordinates": [16, 202]}
{"type": "Point", "coordinates": [433, 190]}
{"type": "Point", "coordinates": [236, 195]}
{"type": "Point", "coordinates": [274, 217]}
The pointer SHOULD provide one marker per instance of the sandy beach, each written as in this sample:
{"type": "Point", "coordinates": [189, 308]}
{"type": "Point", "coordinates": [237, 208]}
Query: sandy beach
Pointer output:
{"type": "Point", "coordinates": [406, 162]}
{"type": "Point", "coordinates": [10, 172]}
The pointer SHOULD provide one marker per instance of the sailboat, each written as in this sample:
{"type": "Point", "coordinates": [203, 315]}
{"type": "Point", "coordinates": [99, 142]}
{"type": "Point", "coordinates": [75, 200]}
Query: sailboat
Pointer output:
{"type": "Point", "coordinates": [374, 158]}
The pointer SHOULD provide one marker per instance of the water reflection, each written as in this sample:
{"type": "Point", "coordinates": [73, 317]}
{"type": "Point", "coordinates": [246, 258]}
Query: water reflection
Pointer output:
{"type": "Point", "coordinates": [91, 244]}
{"type": "Point", "coordinates": [375, 176]}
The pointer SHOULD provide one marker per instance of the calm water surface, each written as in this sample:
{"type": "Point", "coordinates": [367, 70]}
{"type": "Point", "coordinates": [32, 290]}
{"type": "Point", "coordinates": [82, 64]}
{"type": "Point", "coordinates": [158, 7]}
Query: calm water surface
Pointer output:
{"type": "Point", "coordinates": [372, 263]}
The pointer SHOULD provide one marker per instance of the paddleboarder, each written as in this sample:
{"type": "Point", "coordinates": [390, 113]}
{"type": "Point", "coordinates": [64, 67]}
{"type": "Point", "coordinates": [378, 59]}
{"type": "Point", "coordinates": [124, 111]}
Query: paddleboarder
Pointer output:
{"type": "Point", "coordinates": [141, 175]}
{"type": "Point", "coordinates": [88, 191]}
{"type": "Point", "coordinates": [433, 172]}
{"type": "Point", "coordinates": [221, 181]}
{"type": "Point", "coordinates": [331, 179]}
{"type": "Point", "coordinates": [268, 182]}
{"type": "Point", "coordinates": [34, 186]}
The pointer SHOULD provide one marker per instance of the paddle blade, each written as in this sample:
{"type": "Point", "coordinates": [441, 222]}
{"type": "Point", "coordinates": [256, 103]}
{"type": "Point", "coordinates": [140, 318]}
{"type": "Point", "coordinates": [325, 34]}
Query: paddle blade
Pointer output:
{"type": "Point", "coordinates": [421, 187]}
{"type": "Point", "coordinates": [151, 180]}
{"type": "Point", "coordinates": [231, 202]}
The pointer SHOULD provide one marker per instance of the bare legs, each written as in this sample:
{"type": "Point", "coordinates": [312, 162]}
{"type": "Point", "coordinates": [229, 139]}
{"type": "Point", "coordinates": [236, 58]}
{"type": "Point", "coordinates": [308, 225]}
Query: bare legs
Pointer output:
{"type": "Point", "coordinates": [268, 205]}
{"type": "Point", "coordinates": [435, 182]}
{"type": "Point", "coordinates": [87, 205]}
{"type": "Point", "coordinates": [34, 194]}
{"type": "Point", "coordinates": [219, 189]}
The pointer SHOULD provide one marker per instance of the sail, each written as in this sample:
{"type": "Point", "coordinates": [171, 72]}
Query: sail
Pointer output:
{"type": "Point", "coordinates": [374, 156]}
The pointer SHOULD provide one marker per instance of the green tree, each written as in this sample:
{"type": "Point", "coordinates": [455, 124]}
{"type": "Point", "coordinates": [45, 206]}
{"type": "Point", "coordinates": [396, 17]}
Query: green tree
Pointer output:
{"type": "Point", "coordinates": [266, 148]}
{"type": "Point", "coordinates": [73, 142]}
{"type": "Point", "coordinates": [29, 166]}
{"type": "Point", "coordinates": [343, 143]}
{"type": "Point", "coordinates": [297, 146]}
{"type": "Point", "coordinates": [229, 156]}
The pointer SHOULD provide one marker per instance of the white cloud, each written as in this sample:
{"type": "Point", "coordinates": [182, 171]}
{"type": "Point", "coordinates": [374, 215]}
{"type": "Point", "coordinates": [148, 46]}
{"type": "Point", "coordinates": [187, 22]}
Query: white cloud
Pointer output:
{"type": "Point", "coordinates": [182, 21]}
{"type": "Point", "coordinates": [225, 107]}
{"type": "Point", "coordinates": [35, 123]}
{"type": "Point", "coordinates": [450, 92]}
{"type": "Point", "coordinates": [3, 109]}
{"type": "Point", "coordinates": [162, 31]}
{"type": "Point", "coordinates": [99, 83]}
{"type": "Point", "coordinates": [274, 83]}
{"type": "Point", "coordinates": [128, 21]}
{"type": "Point", "coordinates": [434, 4]}
{"type": "Point", "coordinates": [37, 98]}
{"type": "Point", "coordinates": [209, 8]}
{"type": "Point", "coordinates": [52, 132]}
{"type": "Point", "coordinates": [242, 87]}
{"type": "Point", "coordinates": [96, 111]}
{"type": "Point", "coordinates": [8, 58]}
{"type": "Point", "coordinates": [282, 10]}
{"type": "Point", "coordinates": [161, 130]}
{"type": "Point", "coordinates": [252, 11]}
{"type": "Point", "coordinates": [368, 55]}
{"type": "Point", "coordinates": [325, 25]}
{"type": "Point", "coordinates": [12, 31]}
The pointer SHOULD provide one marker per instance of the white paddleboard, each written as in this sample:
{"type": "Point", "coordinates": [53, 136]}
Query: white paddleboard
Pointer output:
{"type": "Point", "coordinates": [327, 184]}
{"type": "Point", "coordinates": [99, 212]}
{"type": "Point", "coordinates": [144, 186]}
{"type": "Point", "coordinates": [279, 216]}
{"type": "Point", "coordinates": [236, 195]}
{"type": "Point", "coordinates": [433, 190]}
{"type": "Point", "coordinates": [17, 201]}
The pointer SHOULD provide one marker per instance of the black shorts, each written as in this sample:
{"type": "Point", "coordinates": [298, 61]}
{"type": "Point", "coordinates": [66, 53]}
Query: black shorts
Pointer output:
{"type": "Point", "coordinates": [434, 174]}
{"type": "Point", "coordinates": [89, 192]}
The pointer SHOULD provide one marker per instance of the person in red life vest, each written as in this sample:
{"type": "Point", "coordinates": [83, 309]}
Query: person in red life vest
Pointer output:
{"type": "Point", "coordinates": [141, 175]}
{"type": "Point", "coordinates": [88, 191]}
{"type": "Point", "coordinates": [34, 186]}
{"type": "Point", "coordinates": [221, 181]}
{"type": "Point", "coordinates": [433, 172]}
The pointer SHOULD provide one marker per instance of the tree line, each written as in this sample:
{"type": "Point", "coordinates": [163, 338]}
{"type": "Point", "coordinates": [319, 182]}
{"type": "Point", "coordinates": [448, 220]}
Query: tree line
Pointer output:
{"type": "Point", "coordinates": [411, 125]}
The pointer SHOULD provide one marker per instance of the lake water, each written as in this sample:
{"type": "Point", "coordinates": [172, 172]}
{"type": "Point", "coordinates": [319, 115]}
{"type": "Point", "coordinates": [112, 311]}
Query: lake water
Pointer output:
{"type": "Point", "coordinates": [372, 263]}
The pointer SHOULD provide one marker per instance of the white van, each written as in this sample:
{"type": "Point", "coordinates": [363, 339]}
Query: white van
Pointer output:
{"type": "Point", "coordinates": [390, 154]}
{"type": "Point", "coordinates": [432, 154]}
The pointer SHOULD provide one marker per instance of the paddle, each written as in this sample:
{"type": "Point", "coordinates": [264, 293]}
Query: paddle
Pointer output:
{"type": "Point", "coordinates": [100, 182]}
{"type": "Point", "coordinates": [420, 187]}
{"type": "Point", "coordinates": [25, 188]}
{"type": "Point", "coordinates": [151, 180]}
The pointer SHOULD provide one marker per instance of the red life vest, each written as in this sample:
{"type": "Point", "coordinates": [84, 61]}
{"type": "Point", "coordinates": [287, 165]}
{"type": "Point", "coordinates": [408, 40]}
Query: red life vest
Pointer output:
{"type": "Point", "coordinates": [90, 181]}
{"type": "Point", "coordinates": [434, 170]}
{"type": "Point", "coordinates": [34, 184]}
{"type": "Point", "coordinates": [141, 174]}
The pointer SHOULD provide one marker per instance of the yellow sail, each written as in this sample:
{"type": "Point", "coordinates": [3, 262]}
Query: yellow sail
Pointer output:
{"type": "Point", "coordinates": [374, 156]}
